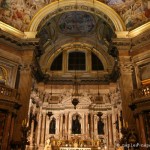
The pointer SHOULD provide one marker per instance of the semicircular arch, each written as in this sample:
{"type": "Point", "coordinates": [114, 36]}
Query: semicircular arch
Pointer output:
{"type": "Point", "coordinates": [49, 57]}
{"type": "Point", "coordinates": [94, 7]}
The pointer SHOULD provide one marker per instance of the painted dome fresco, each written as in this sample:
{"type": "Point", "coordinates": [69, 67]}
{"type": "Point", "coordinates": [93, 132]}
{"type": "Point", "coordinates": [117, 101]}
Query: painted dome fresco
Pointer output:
{"type": "Point", "coordinates": [19, 13]}
{"type": "Point", "coordinates": [76, 22]}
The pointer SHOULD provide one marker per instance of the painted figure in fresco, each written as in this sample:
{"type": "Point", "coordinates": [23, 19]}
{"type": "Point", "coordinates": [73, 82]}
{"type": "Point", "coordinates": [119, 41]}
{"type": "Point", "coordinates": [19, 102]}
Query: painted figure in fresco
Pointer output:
{"type": "Point", "coordinates": [100, 127]}
{"type": "Point", "coordinates": [52, 127]}
{"type": "Point", "coordinates": [76, 126]}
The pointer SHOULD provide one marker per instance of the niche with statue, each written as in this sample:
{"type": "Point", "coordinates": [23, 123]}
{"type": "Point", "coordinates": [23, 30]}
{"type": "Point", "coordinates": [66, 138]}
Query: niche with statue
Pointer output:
{"type": "Point", "coordinates": [76, 124]}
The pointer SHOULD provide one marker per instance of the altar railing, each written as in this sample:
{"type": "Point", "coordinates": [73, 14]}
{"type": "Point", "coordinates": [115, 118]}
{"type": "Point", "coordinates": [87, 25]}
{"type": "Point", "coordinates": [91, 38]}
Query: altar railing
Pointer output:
{"type": "Point", "coordinates": [74, 148]}
{"type": "Point", "coordinates": [9, 94]}
{"type": "Point", "coordinates": [142, 92]}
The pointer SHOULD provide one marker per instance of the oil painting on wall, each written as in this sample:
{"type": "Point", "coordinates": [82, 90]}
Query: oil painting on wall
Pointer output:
{"type": "Point", "coordinates": [145, 71]}
{"type": "Point", "coordinates": [76, 23]}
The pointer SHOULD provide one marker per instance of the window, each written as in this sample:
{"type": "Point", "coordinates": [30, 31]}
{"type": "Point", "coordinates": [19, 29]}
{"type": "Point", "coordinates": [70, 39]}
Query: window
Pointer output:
{"type": "Point", "coordinates": [96, 63]}
{"type": "Point", "coordinates": [57, 63]}
{"type": "Point", "coordinates": [76, 61]}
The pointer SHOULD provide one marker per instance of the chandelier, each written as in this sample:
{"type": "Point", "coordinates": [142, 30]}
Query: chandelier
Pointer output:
{"type": "Point", "coordinates": [75, 94]}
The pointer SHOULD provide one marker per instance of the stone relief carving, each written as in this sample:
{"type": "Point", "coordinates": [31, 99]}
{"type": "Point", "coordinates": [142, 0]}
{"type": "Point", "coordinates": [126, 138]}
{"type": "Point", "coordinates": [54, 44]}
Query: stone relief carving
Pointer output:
{"type": "Point", "coordinates": [126, 65]}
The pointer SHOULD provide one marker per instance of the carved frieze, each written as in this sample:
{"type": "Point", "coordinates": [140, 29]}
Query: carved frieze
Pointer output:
{"type": "Point", "coordinates": [18, 43]}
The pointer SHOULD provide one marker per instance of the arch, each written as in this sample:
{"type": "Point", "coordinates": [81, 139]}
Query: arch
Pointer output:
{"type": "Point", "coordinates": [49, 57]}
{"type": "Point", "coordinates": [95, 7]}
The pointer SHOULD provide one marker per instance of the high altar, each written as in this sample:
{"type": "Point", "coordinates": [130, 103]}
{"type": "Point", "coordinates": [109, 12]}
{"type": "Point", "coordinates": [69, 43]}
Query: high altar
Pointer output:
{"type": "Point", "coordinates": [90, 125]}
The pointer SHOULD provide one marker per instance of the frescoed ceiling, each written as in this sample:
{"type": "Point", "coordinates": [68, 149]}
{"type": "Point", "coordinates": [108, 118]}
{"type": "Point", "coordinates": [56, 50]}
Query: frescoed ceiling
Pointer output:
{"type": "Point", "coordinates": [18, 13]}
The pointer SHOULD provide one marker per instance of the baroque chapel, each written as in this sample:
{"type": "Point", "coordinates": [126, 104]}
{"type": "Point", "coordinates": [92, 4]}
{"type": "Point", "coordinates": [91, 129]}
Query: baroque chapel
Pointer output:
{"type": "Point", "coordinates": [74, 74]}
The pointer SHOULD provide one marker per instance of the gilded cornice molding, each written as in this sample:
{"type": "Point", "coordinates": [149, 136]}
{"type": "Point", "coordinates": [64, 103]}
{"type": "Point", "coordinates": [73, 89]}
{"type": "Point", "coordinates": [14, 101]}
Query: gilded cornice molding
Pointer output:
{"type": "Point", "coordinates": [133, 43]}
{"type": "Point", "coordinates": [16, 42]}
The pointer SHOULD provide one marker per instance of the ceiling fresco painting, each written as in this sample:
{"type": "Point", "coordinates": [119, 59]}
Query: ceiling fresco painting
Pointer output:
{"type": "Point", "coordinates": [76, 23]}
{"type": "Point", "coordinates": [18, 13]}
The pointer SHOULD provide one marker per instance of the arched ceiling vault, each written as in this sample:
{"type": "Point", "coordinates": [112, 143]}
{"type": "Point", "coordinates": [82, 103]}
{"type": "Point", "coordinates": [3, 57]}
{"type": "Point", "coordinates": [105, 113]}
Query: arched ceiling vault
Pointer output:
{"type": "Point", "coordinates": [113, 11]}
{"type": "Point", "coordinates": [94, 7]}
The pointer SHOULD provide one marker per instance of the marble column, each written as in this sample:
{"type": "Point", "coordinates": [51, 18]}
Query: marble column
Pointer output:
{"type": "Point", "coordinates": [32, 133]}
{"type": "Point", "coordinates": [126, 85]}
{"type": "Point", "coordinates": [120, 126]}
{"type": "Point", "coordinates": [91, 126]}
{"type": "Point", "coordinates": [61, 125]}
{"type": "Point", "coordinates": [66, 125]}
{"type": "Point", "coordinates": [95, 126]}
{"type": "Point", "coordinates": [43, 129]}
{"type": "Point", "coordinates": [87, 125]}
{"type": "Point", "coordinates": [110, 130]}
{"type": "Point", "coordinates": [57, 125]}
{"type": "Point", "coordinates": [142, 129]}
{"type": "Point", "coordinates": [69, 125]}
{"type": "Point", "coordinates": [39, 128]}
{"type": "Point", "coordinates": [113, 123]}
{"type": "Point", "coordinates": [106, 129]}
{"type": "Point", "coordinates": [83, 125]}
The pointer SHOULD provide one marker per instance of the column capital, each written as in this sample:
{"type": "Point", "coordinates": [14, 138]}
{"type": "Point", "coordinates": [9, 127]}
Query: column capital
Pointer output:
{"type": "Point", "coordinates": [126, 65]}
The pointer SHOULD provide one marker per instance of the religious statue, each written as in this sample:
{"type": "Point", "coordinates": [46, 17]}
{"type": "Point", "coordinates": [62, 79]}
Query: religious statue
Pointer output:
{"type": "Point", "coordinates": [100, 127]}
{"type": "Point", "coordinates": [52, 126]}
{"type": "Point", "coordinates": [76, 126]}
{"type": "Point", "coordinates": [48, 145]}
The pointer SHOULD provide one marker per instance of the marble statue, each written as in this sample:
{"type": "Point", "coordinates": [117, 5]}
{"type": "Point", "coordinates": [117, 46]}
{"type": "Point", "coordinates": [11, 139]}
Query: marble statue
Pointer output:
{"type": "Point", "coordinates": [48, 145]}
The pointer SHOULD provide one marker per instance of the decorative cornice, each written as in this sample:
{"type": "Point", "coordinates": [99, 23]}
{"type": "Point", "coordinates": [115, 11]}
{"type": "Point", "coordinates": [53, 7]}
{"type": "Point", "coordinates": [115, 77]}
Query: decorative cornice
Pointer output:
{"type": "Point", "coordinates": [16, 42]}
{"type": "Point", "coordinates": [132, 43]}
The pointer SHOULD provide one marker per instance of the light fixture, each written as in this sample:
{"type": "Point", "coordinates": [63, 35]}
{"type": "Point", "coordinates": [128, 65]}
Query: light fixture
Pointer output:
{"type": "Point", "coordinates": [75, 102]}
{"type": "Point", "coordinates": [75, 94]}
{"type": "Point", "coordinates": [50, 99]}
{"type": "Point", "coordinates": [98, 98]}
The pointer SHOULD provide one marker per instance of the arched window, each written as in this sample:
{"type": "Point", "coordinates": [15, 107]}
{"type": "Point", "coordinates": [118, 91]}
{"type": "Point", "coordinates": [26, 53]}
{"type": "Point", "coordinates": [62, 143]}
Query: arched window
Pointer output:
{"type": "Point", "coordinates": [76, 61]}
{"type": "Point", "coordinates": [57, 63]}
{"type": "Point", "coordinates": [96, 63]}
{"type": "Point", "coordinates": [52, 126]}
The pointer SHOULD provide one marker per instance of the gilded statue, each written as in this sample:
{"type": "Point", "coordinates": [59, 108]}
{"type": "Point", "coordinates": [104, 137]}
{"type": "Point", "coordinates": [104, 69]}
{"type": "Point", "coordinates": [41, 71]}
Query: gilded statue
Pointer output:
{"type": "Point", "coordinates": [48, 145]}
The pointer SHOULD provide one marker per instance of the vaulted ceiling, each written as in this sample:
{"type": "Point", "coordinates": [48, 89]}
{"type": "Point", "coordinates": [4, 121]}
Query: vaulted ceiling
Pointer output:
{"type": "Point", "coordinates": [19, 13]}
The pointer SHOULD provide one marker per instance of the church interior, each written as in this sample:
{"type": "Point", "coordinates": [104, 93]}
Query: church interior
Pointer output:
{"type": "Point", "coordinates": [74, 74]}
